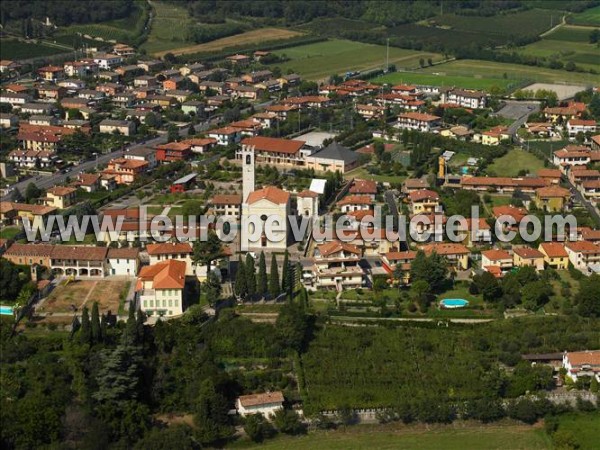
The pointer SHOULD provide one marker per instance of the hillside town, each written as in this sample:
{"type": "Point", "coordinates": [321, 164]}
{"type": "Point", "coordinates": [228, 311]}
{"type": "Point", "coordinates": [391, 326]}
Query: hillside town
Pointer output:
{"type": "Point", "coordinates": [156, 147]}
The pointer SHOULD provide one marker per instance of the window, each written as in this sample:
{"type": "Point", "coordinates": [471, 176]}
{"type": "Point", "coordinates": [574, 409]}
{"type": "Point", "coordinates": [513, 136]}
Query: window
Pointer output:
{"type": "Point", "coordinates": [152, 303]}
{"type": "Point", "coordinates": [170, 303]}
{"type": "Point", "coordinates": [176, 302]}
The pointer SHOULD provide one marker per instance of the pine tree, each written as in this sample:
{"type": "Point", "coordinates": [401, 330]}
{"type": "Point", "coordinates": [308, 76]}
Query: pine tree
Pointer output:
{"type": "Point", "coordinates": [261, 281]}
{"type": "Point", "coordinates": [284, 277]}
{"type": "Point", "coordinates": [241, 288]}
{"type": "Point", "coordinates": [85, 335]}
{"type": "Point", "coordinates": [250, 275]}
{"type": "Point", "coordinates": [274, 278]}
{"type": "Point", "coordinates": [96, 331]}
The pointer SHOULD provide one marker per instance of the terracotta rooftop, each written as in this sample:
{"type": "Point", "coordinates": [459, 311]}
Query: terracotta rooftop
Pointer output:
{"type": "Point", "coordinates": [168, 274]}
{"type": "Point", "coordinates": [79, 252]}
{"type": "Point", "coordinates": [446, 248]}
{"type": "Point", "coordinates": [330, 248]}
{"type": "Point", "coordinates": [275, 145]}
{"type": "Point", "coordinates": [552, 192]}
{"type": "Point", "coordinates": [35, 250]}
{"type": "Point", "coordinates": [355, 200]}
{"type": "Point", "coordinates": [167, 248]}
{"type": "Point", "coordinates": [423, 194]}
{"type": "Point", "coordinates": [583, 358]}
{"type": "Point", "coordinates": [363, 187]}
{"type": "Point", "coordinates": [124, 253]}
{"type": "Point", "coordinates": [227, 199]}
{"type": "Point", "coordinates": [261, 399]}
{"type": "Point", "coordinates": [553, 249]}
{"type": "Point", "coordinates": [270, 193]}
{"type": "Point", "coordinates": [496, 255]}
{"type": "Point", "coordinates": [527, 252]}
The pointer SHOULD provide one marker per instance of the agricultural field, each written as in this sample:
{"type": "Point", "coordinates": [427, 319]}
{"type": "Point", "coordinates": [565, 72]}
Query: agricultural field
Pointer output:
{"type": "Point", "coordinates": [517, 72]}
{"type": "Point", "coordinates": [80, 293]}
{"type": "Point", "coordinates": [585, 428]}
{"type": "Point", "coordinates": [168, 28]}
{"type": "Point", "coordinates": [587, 17]}
{"type": "Point", "coordinates": [247, 38]}
{"type": "Point", "coordinates": [18, 50]}
{"type": "Point", "coordinates": [514, 161]}
{"type": "Point", "coordinates": [459, 436]}
{"type": "Point", "coordinates": [567, 44]}
{"type": "Point", "coordinates": [322, 59]}
{"type": "Point", "coordinates": [118, 30]}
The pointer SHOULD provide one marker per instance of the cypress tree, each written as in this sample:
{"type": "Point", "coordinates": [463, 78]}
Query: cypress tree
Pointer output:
{"type": "Point", "coordinates": [261, 281]}
{"type": "Point", "coordinates": [103, 326]}
{"type": "Point", "coordinates": [274, 278]}
{"type": "Point", "coordinates": [95, 326]}
{"type": "Point", "coordinates": [240, 280]}
{"type": "Point", "coordinates": [85, 336]}
{"type": "Point", "coordinates": [284, 274]}
{"type": "Point", "coordinates": [130, 335]}
{"type": "Point", "coordinates": [250, 275]}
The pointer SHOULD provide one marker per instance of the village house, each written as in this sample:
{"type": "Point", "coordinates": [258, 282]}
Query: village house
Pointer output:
{"type": "Point", "coordinates": [16, 100]}
{"type": "Point", "coordinates": [173, 151]}
{"type": "Point", "coordinates": [8, 120]}
{"type": "Point", "coordinates": [124, 100]}
{"type": "Point", "coordinates": [308, 101]}
{"type": "Point", "coordinates": [418, 121]}
{"type": "Point", "coordinates": [160, 288]}
{"type": "Point", "coordinates": [497, 262]}
{"type": "Point", "coordinates": [239, 60]}
{"type": "Point", "coordinates": [582, 364]}
{"type": "Point", "coordinates": [13, 213]}
{"type": "Point", "coordinates": [107, 61]}
{"type": "Point", "coordinates": [465, 98]}
{"type": "Point", "coordinates": [152, 65]}
{"type": "Point", "coordinates": [584, 255]}
{"type": "Point", "coordinates": [123, 261]}
{"type": "Point", "coordinates": [576, 126]}
{"type": "Point", "coordinates": [193, 107]}
{"type": "Point", "coordinates": [51, 73]}
{"type": "Point", "coordinates": [78, 261]}
{"type": "Point", "coordinates": [29, 254]}
{"type": "Point", "coordinates": [247, 127]}
{"type": "Point", "coordinates": [540, 129]}
{"type": "Point", "coordinates": [394, 259]}
{"type": "Point", "coordinates": [81, 68]}
{"type": "Point", "coordinates": [200, 145]}
{"type": "Point", "coordinates": [32, 158]}
{"type": "Point", "coordinates": [124, 127]}
{"type": "Point", "coordinates": [424, 201]}
{"type": "Point", "coordinates": [143, 154]}
{"type": "Point", "coordinates": [60, 197]}
{"type": "Point", "coordinates": [457, 255]}
{"type": "Point", "coordinates": [89, 182]}
{"type": "Point", "coordinates": [502, 184]}
{"type": "Point", "coordinates": [7, 66]}
{"type": "Point", "coordinates": [458, 132]}
{"type": "Point", "coordinates": [559, 114]}
{"type": "Point", "coordinates": [37, 137]}
{"type": "Point", "coordinates": [125, 171]}
{"type": "Point", "coordinates": [266, 404]}
{"type": "Point", "coordinates": [226, 205]}
{"type": "Point", "coordinates": [72, 84]}
{"type": "Point", "coordinates": [572, 155]}
{"type": "Point", "coordinates": [337, 265]}
{"type": "Point", "coordinates": [282, 111]}
{"type": "Point", "coordinates": [527, 256]}
{"type": "Point", "coordinates": [551, 176]}
{"type": "Point", "coordinates": [552, 198]}
{"type": "Point", "coordinates": [355, 203]}
{"type": "Point", "coordinates": [370, 111]}
{"type": "Point", "coordinates": [495, 135]}
{"type": "Point", "coordinates": [226, 135]}
{"type": "Point", "coordinates": [555, 255]}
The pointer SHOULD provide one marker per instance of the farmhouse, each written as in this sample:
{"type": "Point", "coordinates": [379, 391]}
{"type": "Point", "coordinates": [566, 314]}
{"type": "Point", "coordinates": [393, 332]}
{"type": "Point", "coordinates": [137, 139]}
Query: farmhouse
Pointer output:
{"type": "Point", "coordinates": [160, 288]}
{"type": "Point", "coordinates": [266, 404]}
{"type": "Point", "coordinates": [78, 261]}
{"type": "Point", "coordinates": [582, 364]}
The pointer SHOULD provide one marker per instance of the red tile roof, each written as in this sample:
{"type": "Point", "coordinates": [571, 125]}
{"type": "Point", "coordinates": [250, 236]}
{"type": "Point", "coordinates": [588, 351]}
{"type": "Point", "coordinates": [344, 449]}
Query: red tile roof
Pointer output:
{"type": "Point", "coordinates": [423, 194]}
{"type": "Point", "coordinates": [261, 399]}
{"type": "Point", "coordinates": [496, 255]}
{"type": "Point", "coordinates": [274, 145]}
{"type": "Point", "coordinates": [554, 249]}
{"type": "Point", "coordinates": [270, 193]}
{"type": "Point", "coordinates": [167, 248]}
{"type": "Point", "coordinates": [168, 274]}
{"type": "Point", "coordinates": [528, 252]}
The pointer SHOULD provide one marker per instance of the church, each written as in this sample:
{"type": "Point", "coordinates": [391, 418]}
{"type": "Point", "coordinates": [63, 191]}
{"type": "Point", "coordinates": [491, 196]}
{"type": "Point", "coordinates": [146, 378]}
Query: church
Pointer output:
{"type": "Point", "coordinates": [269, 205]}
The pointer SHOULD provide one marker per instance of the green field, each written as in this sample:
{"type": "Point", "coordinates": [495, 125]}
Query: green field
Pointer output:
{"type": "Point", "coordinates": [585, 428]}
{"type": "Point", "coordinates": [491, 69]}
{"type": "Point", "coordinates": [462, 436]}
{"type": "Point", "coordinates": [567, 44]}
{"type": "Point", "coordinates": [17, 50]}
{"type": "Point", "coordinates": [469, 82]}
{"type": "Point", "coordinates": [168, 28]}
{"type": "Point", "coordinates": [118, 30]}
{"type": "Point", "coordinates": [515, 160]}
{"type": "Point", "coordinates": [336, 56]}
{"type": "Point", "coordinates": [588, 17]}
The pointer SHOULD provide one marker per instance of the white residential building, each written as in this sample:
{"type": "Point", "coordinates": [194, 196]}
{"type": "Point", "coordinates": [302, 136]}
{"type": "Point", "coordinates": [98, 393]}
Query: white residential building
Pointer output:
{"type": "Point", "coordinates": [160, 288]}
{"type": "Point", "coordinates": [580, 364]}
{"type": "Point", "coordinates": [266, 404]}
{"type": "Point", "coordinates": [123, 261]}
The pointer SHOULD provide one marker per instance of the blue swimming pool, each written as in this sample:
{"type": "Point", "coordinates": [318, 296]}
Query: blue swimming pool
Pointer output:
{"type": "Point", "coordinates": [6, 310]}
{"type": "Point", "coordinates": [454, 303]}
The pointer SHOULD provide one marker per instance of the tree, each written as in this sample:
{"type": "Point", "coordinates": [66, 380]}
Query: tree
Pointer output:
{"type": "Point", "coordinates": [261, 281]}
{"type": "Point", "coordinates": [172, 133]}
{"type": "Point", "coordinates": [96, 331]}
{"type": "Point", "coordinates": [588, 298]}
{"type": "Point", "coordinates": [11, 281]}
{"type": "Point", "coordinates": [241, 288]}
{"type": "Point", "coordinates": [488, 285]}
{"type": "Point", "coordinates": [429, 268]}
{"type": "Point", "coordinates": [258, 428]}
{"type": "Point", "coordinates": [212, 288]}
{"type": "Point", "coordinates": [17, 196]}
{"type": "Point", "coordinates": [284, 269]}
{"type": "Point", "coordinates": [85, 333]}
{"type": "Point", "coordinates": [536, 294]}
{"type": "Point", "coordinates": [250, 272]}
{"type": "Point", "coordinates": [118, 375]}
{"type": "Point", "coordinates": [210, 415]}
{"type": "Point", "coordinates": [288, 421]}
{"type": "Point", "coordinates": [274, 278]}
{"type": "Point", "coordinates": [32, 192]}
{"type": "Point", "coordinates": [291, 326]}
{"type": "Point", "coordinates": [207, 251]}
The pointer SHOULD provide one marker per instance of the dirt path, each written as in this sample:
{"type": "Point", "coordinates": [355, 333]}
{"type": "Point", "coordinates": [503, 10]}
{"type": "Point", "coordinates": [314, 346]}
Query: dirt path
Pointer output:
{"type": "Point", "coordinates": [556, 27]}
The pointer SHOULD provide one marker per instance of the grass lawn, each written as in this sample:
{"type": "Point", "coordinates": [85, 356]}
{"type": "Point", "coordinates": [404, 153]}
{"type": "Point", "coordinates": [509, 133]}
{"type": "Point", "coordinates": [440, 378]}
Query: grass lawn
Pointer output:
{"type": "Point", "coordinates": [336, 56]}
{"type": "Point", "coordinates": [9, 232]}
{"type": "Point", "coordinates": [470, 82]}
{"type": "Point", "coordinates": [588, 17]}
{"type": "Point", "coordinates": [462, 291]}
{"type": "Point", "coordinates": [459, 436]}
{"type": "Point", "coordinates": [515, 160]}
{"type": "Point", "coordinates": [489, 69]}
{"type": "Point", "coordinates": [362, 173]}
{"type": "Point", "coordinates": [17, 50]}
{"type": "Point", "coordinates": [585, 428]}
{"type": "Point", "coordinates": [501, 200]}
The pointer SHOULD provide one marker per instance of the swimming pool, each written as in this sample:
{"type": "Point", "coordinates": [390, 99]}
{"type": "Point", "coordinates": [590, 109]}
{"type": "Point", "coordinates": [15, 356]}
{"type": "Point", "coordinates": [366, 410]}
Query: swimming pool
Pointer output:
{"type": "Point", "coordinates": [454, 303]}
{"type": "Point", "coordinates": [6, 310]}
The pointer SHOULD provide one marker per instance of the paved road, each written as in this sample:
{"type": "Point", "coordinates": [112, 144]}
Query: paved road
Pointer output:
{"type": "Point", "coordinates": [519, 111]}
{"type": "Point", "coordinates": [48, 181]}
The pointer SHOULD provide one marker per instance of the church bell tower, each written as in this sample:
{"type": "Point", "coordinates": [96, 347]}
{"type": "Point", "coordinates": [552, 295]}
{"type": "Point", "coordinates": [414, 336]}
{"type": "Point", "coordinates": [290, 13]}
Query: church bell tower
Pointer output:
{"type": "Point", "coordinates": [247, 171]}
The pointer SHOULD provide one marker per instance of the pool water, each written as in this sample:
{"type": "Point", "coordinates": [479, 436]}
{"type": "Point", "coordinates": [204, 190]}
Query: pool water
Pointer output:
{"type": "Point", "coordinates": [454, 303]}
{"type": "Point", "coordinates": [6, 310]}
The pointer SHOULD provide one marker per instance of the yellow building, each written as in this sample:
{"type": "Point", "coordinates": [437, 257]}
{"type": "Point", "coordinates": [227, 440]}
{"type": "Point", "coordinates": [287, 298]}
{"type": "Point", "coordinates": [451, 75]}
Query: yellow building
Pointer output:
{"type": "Point", "coordinates": [555, 255]}
{"type": "Point", "coordinates": [526, 256]}
{"type": "Point", "coordinates": [424, 201]}
{"type": "Point", "coordinates": [60, 197]}
{"type": "Point", "coordinates": [13, 213]}
{"type": "Point", "coordinates": [551, 198]}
